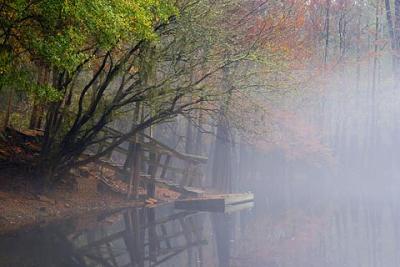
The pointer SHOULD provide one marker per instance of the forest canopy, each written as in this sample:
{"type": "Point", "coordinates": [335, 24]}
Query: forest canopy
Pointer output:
{"type": "Point", "coordinates": [88, 64]}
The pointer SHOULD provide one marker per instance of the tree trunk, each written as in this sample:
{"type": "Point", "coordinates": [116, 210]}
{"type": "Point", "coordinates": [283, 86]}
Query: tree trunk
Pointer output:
{"type": "Point", "coordinates": [199, 135]}
{"type": "Point", "coordinates": [38, 107]}
{"type": "Point", "coordinates": [397, 24]}
{"type": "Point", "coordinates": [375, 63]}
{"type": "Point", "coordinates": [358, 71]}
{"type": "Point", "coordinates": [154, 161]}
{"type": "Point", "coordinates": [222, 163]}
{"type": "Point", "coordinates": [10, 97]}
{"type": "Point", "coordinates": [373, 126]}
{"type": "Point", "coordinates": [131, 150]}
{"type": "Point", "coordinates": [51, 154]}
{"type": "Point", "coordinates": [342, 35]}
{"type": "Point", "coordinates": [326, 57]}
{"type": "Point", "coordinates": [189, 150]}
{"type": "Point", "coordinates": [396, 38]}
{"type": "Point", "coordinates": [189, 137]}
{"type": "Point", "coordinates": [327, 33]}
{"type": "Point", "coordinates": [221, 170]}
{"type": "Point", "coordinates": [393, 44]}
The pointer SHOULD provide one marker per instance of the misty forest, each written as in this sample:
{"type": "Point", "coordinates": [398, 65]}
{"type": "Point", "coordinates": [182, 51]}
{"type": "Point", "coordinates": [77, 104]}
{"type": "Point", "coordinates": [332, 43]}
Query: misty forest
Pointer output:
{"type": "Point", "coordinates": [213, 133]}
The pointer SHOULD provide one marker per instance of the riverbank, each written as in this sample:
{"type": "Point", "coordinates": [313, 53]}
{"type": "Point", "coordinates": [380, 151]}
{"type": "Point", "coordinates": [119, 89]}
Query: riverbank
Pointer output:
{"type": "Point", "coordinates": [19, 211]}
{"type": "Point", "coordinates": [20, 207]}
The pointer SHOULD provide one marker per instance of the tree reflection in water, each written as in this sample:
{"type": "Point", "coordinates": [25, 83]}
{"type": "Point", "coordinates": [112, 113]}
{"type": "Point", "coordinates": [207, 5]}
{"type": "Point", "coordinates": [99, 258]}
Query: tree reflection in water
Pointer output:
{"type": "Point", "coordinates": [135, 237]}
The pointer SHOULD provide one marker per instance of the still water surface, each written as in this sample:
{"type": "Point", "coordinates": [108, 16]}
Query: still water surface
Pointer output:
{"type": "Point", "coordinates": [308, 229]}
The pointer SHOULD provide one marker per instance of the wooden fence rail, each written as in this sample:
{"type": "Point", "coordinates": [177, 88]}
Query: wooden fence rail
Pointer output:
{"type": "Point", "coordinates": [149, 161]}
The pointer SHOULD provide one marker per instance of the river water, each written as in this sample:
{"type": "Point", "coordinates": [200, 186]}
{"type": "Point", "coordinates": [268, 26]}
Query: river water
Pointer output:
{"type": "Point", "coordinates": [300, 228]}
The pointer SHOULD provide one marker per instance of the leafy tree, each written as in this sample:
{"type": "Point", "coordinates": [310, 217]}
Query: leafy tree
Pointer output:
{"type": "Point", "coordinates": [107, 59]}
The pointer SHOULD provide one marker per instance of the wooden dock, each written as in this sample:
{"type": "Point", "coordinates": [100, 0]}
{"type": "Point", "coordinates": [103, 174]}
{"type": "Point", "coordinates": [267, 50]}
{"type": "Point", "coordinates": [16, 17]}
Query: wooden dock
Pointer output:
{"type": "Point", "coordinates": [146, 162]}
{"type": "Point", "coordinates": [215, 203]}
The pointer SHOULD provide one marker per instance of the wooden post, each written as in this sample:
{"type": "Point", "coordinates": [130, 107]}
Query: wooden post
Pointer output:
{"type": "Point", "coordinates": [195, 175]}
{"type": "Point", "coordinates": [130, 236]}
{"type": "Point", "coordinates": [135, 172]}
{"type": "Point", "coordinates": [165, 167]}
{"type": "Point", "coordinates": [165, 236]}
{"type": "Point", "coordinates": [154, 243]}
{"type": "Point", "coordinates": [186, 174]}
{"type": "Point", "coordinates": [129, 156]}
{"type": "Point", "coordinates": [188, 238]}
{"type": "Point", "coordinates": [154, 161]}
{"type": "Point", "coordinates": [133, 238]}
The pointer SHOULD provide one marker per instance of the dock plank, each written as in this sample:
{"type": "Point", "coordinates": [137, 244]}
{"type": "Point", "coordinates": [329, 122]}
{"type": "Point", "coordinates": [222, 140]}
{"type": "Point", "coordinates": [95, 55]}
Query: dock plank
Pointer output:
{"type": "Point", "coordinates": [219, 203]}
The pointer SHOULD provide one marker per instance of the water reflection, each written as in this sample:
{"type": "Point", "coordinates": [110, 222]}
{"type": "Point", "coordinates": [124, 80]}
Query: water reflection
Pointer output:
{"type": "Point", "coordinates": [359, 229]}
{"type": "Point", "coordinates": [322, 228]}
{"type": "Point", "coordinates": [136, 237]}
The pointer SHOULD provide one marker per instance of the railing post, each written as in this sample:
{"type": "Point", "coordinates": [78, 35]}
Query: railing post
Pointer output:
{"type": "Point", "coordinates": [186, 174]}
{"type": "Point", "coordinates": [154, 159]}
{"type": "Point", "coordinates": [135, 172]}
{"type": "Point", "coordinates": [165, 167]}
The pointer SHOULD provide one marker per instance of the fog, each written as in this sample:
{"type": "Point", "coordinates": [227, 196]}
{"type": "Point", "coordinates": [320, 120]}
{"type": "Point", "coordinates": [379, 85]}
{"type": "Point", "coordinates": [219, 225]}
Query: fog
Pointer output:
{"type": "Point", "coordinates": [340, 204]}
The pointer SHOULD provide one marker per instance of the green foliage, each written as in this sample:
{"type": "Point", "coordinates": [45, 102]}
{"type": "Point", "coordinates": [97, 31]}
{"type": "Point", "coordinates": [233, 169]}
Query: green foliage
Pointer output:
{"type": "Point", "coordinates": [62, 34]}
{"type": "Point", "coordinates": [101, 23]}
{"type": "Point", "coordinates": [46, 93]}
{"type": "Point", "coordinates": [13, 77]}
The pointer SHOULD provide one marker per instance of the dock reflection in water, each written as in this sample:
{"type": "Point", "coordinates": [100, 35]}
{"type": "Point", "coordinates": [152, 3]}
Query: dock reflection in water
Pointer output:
{"type": "Point", "coordinates": [160, 236]}
{"type": "Point", "coordinates": [317, 229]}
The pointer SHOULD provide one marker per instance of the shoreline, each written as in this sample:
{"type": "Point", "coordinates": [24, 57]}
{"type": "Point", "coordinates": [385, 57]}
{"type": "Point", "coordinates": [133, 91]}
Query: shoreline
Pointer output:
{"type": "Point", "coordinates": [23, 209]}
{"type": "Point", "coordinates": [18, 212]}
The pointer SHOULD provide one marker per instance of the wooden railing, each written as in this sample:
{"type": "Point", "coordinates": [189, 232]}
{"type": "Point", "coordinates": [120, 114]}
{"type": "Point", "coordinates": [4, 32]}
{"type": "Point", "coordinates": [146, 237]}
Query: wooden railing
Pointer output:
{"type": "Point", "coordinates": [150, 161]}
